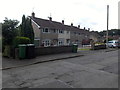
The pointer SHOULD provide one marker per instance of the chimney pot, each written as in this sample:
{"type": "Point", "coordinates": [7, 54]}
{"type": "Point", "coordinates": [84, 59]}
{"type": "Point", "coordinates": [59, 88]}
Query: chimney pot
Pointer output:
{"type": "Point", "coordinates": [84, 28]}
{"type": "Point", "coordinates": [50, 18]}
{"type": "Point", "coordinates": [62, 21]}
{"type": "Point", "coordinates": [79, 26]}
{"type": "Point", "coordinates": [71, 24]}
{"type": "Point", "coordinates": [88, 29]}
{"type": "Point", "coordinates": [33, 14]}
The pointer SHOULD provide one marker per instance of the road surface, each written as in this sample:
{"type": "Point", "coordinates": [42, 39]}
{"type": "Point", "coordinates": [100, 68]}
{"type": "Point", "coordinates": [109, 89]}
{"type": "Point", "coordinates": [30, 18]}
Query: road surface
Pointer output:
{"type": "Point", "coordinates": [94, 70]}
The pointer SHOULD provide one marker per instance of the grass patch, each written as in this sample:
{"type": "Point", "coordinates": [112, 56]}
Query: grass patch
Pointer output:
{"type": "Point", "coordinates": [84, 49]}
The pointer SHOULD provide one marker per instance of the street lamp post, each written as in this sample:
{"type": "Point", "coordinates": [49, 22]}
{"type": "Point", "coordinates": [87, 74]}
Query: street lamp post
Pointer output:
{"type": "Point", "coordinates": [107, 25]}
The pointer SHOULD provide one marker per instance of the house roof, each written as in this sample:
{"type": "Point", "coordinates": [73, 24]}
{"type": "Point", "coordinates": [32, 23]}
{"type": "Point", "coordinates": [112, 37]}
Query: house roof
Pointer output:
{"type": "Point", "coordinates": [93, 33]}
{"type": "Point", "coordinates": [55, 25]}
{"type": "Point", "coordinates": [47, 23]}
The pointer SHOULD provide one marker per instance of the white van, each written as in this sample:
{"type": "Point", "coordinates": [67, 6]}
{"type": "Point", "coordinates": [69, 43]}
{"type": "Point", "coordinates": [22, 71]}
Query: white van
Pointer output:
{"type": "Point", "coordinates": [113, 43]}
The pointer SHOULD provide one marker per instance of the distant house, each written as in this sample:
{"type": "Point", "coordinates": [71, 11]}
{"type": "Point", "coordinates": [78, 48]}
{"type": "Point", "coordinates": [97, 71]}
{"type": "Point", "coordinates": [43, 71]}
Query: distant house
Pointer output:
{"type": "Point", "coordinates": [52, 33]}
{"type": "Point", "coordinates": [95, 36]}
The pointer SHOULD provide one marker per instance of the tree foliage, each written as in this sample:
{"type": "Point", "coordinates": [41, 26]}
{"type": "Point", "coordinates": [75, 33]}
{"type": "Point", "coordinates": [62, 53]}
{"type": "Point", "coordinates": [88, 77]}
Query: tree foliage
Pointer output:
{"type": "Point", "coordinates": [9, 31]}
{"type": "Point", "coordinates": [23, 24]}
{"type": "Point", "coordinates": [111, 32]}
{"type": "Point", "coordinates": [26, 28]}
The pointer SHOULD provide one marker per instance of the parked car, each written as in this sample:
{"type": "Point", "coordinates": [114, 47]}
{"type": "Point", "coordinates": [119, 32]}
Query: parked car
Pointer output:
{"type": "Point", "coordinates": [113, 43]}
{"type": "Point", "coordinates": [119, 43]}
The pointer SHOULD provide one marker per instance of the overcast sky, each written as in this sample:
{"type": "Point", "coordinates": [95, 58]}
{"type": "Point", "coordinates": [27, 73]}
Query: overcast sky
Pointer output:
{"type": "Point", "coordinates": [88, 13]}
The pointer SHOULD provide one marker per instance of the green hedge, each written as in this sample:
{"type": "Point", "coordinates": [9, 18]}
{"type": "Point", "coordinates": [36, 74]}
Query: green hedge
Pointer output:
{"type": "Point", "coordinates": [21, 40]}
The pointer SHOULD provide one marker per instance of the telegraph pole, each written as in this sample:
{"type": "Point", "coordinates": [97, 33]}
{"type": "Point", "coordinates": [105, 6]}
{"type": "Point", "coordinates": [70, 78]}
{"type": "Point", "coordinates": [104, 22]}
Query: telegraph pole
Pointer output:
{"type": "Point", "coordinates": [107, 25]}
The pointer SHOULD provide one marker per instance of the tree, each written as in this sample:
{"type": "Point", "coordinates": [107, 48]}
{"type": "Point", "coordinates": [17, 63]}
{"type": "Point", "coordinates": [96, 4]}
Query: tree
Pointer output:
{"type": "Point", "coordinates": [111, 32]}
{"type": "Point", "coordinates": [27, 29]}
{"type": "Point", "coordinates": [9, 30]}
{"type": "Point", "coordinates": [23, 26]}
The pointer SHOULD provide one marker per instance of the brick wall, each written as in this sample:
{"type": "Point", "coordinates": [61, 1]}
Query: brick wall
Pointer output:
{"type": "Point", "coordinates": [52, 50]}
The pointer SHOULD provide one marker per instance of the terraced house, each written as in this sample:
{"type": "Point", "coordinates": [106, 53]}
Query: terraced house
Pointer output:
{"type": "Point", "coordinates": [52, 33]}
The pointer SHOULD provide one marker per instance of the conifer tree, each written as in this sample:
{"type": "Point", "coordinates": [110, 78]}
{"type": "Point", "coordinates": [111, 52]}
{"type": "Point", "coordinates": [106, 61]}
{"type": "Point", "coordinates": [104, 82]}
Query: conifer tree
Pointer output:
{"type": "Point", "coordinates": [27, 29]}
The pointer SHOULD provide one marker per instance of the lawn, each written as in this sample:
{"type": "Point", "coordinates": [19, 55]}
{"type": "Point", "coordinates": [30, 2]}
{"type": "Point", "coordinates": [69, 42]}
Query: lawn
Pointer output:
{"type": "Point", "coordinates": [84, 49]}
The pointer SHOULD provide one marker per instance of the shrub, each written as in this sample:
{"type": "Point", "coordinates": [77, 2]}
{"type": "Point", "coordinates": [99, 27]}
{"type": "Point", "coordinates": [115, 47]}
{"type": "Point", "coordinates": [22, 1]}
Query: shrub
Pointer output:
{"type": "Point", "coordinates": [6, 52]}
{"type": "Point", "coordinates": [21, 40]}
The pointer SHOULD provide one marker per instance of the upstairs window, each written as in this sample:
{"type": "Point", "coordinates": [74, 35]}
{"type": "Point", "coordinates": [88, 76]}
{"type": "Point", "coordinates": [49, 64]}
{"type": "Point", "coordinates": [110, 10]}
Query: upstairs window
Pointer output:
{"type": "Point", "coordinates": [46, 30]}
{"type": "Point", "coordinates": [61, 31]}
{"type": "Point", "coordinates": [75, 33]}
{"type": "Point", "coordinates": [54, 31]}
{"type": "Point", "coordinates": [83, 34]}
{"type": "Point", "coordinates": [68, 32]}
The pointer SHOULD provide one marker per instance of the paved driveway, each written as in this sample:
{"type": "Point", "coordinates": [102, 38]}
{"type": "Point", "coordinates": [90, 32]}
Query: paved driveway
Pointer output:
{"type": "Point", "coordinates": [97, 70]}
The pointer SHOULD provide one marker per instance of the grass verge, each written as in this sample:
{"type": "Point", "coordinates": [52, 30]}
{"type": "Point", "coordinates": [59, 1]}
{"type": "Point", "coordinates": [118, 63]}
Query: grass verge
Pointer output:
{"type": "Point", "coordinates": [84, 49]}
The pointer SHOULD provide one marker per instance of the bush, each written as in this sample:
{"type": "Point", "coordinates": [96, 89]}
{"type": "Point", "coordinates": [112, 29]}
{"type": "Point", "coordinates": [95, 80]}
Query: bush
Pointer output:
{"type": "Point", "coordinates": [21, 40]}
{"type": "Point", "coordinates": [6, 52]}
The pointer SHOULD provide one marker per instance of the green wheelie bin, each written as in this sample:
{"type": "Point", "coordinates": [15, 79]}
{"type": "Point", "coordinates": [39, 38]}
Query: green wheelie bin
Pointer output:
{"type": "Point", "coordinates": [22, 51]}
{"type": "Point", "coordinates": [74, 48]}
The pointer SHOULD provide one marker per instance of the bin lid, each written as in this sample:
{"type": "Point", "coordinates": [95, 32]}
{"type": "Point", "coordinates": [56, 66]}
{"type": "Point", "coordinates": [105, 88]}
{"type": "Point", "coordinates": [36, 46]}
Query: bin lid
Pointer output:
{"type": "Point", "coordinates": [22, 45]}
{"type": "Point", "coordinates": [74, 44]}
{"type": "Point", "coordinates": [30, 45]}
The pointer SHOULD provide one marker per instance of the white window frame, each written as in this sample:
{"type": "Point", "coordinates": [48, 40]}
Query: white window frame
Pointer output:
{"type": "Point", "coordinates": [68, 32]}
{"type": "Point", "coordinates": [61, 31]}
{"type": "Point", "coordinates": [43, 30]}
{"type": "Point", "coordinates": [46, 42]}
{"type": "Point", "coordinates": [68, 41]}
{"type": "Point", "coordinates": [60, 42]}
{"type": "Point", "coordinates": [56, 31]}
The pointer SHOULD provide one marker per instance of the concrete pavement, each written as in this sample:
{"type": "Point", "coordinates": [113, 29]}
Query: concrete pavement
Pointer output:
{"type": "Point", "coordinates": [8, 63]}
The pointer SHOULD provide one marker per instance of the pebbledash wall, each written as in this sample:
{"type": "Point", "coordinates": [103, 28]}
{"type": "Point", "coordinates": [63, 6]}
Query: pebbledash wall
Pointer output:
{"type": "Point", "coordinates": [52, 50]}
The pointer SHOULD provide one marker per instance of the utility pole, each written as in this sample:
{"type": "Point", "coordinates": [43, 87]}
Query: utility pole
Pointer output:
{"type": "Point", "coordinates": [119, 18]}
{"type": "Point", "coordinates": [107, 25]}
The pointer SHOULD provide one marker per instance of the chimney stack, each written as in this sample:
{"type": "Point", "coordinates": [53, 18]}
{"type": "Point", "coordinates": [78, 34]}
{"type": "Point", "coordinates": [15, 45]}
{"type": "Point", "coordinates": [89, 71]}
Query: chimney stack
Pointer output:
{"type": "Point", "coordinates": [33, 14]}
{"type": "Point", "coordinates": [79, 26]}
{"type": "Point", "coordinates": [84, 28]}
{"type": "Point", "coordinates": [71, 24]}
{"type": "Point", "coordinates": [88, 29]}
{"type": "Point", "coordinates": [62, 21]}
{"type": "Point", "coordinates": [50, 18]}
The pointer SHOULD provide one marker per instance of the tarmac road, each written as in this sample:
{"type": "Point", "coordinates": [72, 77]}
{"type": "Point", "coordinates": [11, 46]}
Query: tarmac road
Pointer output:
{"type": "Point", "coordinates": [94, 70]}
